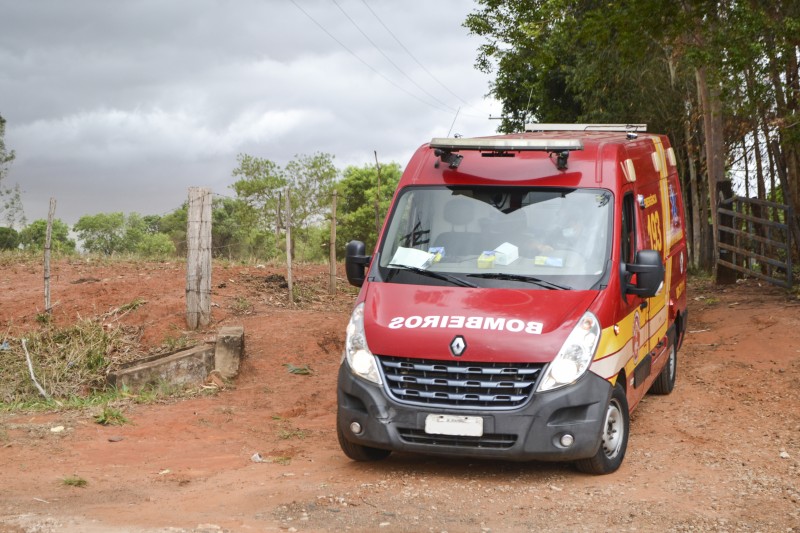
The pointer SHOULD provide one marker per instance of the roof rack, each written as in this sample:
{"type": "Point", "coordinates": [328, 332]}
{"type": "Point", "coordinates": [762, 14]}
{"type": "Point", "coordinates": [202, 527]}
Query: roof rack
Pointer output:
{"type": "Point", "coordinates": [445, 146]}
{"type": "Point", "coordinates": [586, 127]}
{"type": "Point", "coordinates": [505, 144]}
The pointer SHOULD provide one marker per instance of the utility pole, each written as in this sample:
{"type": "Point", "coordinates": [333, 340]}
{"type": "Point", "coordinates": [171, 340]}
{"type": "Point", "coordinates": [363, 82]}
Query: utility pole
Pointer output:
{"type": "Point", "coordinates": [378, 199]}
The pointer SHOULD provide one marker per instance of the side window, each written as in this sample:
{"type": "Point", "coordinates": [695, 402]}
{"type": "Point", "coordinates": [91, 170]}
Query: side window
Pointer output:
{"type": "Point", "coordinates": [628, 237]}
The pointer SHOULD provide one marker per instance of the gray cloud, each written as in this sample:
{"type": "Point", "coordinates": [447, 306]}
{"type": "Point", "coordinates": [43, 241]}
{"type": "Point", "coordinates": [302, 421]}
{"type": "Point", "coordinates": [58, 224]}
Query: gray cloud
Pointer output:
{"type": "Point", "coordinates": [121, 106]}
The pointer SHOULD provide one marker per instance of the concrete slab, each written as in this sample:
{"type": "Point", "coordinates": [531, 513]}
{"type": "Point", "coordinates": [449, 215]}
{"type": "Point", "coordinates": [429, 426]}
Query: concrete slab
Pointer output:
{"type": "Point", "coordinates": [187, 367]}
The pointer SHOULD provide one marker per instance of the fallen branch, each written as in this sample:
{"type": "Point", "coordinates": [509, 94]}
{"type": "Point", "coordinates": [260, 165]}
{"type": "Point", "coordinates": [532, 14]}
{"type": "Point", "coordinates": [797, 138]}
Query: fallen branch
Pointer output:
{"type": "Point", "coordinates": [30, 367]}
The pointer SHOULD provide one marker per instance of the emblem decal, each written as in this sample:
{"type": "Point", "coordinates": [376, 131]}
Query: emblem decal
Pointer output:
{"type": "Point", "coordinates": [458, 346]}
{"type": "Point", "coordinates": [636, 337]}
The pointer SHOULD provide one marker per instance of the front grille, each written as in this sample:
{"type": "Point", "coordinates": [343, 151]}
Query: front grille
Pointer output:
{"type": "Point", "coordinates": [459, 384]}
{"type": "Point", "coordinates": [491, 441]}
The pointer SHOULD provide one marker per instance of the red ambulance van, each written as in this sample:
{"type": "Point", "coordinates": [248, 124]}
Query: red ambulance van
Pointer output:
{"type": "Point", "coordinates": [526, 291]}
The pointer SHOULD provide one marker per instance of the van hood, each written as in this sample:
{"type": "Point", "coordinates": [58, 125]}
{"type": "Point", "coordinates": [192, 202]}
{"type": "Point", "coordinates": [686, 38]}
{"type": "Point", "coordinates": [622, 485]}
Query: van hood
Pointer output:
{"type": "Point", "coordinates": [504, 325]}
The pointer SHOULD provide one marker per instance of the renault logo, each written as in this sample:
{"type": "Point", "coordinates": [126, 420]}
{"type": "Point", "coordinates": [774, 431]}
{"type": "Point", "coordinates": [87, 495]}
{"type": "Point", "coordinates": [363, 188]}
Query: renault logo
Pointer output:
{"type": "Point", "coordinates": [458, 346]}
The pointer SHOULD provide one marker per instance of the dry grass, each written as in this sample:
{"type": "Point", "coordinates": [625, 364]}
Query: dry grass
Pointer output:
{"type": "Point", "coordinates": [68, 362]}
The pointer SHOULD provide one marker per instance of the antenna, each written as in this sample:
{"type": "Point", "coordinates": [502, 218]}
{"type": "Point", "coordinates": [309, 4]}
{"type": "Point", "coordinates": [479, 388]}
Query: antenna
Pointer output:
{"type": "Point", "coordinates": [454, 122]}
{"type": "Point", "coordinates": [528, 107]}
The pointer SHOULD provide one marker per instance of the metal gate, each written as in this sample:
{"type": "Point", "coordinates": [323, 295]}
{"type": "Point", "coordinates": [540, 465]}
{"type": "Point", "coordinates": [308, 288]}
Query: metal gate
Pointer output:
{"type": "Point", "coordinates": [755, 238]}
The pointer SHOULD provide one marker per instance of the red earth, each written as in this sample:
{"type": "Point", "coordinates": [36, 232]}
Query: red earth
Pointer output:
{"type": "Point", "coordinates": [721, 453]}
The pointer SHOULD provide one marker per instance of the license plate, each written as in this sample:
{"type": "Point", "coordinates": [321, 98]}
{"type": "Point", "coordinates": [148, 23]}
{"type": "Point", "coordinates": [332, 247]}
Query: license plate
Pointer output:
{"type": "Point", "coordinates": [461, 426]}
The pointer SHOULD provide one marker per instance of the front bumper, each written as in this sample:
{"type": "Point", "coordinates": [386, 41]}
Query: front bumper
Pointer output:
{"type": "Point", "coordinates": [530, 432]}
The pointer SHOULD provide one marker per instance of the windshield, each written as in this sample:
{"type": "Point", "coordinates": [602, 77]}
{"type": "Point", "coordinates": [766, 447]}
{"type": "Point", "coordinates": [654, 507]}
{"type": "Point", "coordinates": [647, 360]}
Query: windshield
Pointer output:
{"type": "Point", "coordinates": [539, 238]}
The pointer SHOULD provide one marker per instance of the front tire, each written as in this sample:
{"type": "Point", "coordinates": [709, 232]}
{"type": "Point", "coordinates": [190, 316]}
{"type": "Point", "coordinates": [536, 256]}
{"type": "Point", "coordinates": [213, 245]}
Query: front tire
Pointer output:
{"type": "Point", "coordinates": [614, 440]}
{"type": "Point", "coordinates": [665, 381]}
{"type": "Point", "coordinates": [357, 452]}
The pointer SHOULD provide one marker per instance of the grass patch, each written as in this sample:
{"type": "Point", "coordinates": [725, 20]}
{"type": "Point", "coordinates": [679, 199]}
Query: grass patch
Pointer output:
{"type": "Point", "coordinates": [241, 306]}
{"type": "Point", "coordinates": [156, 391]}
{"type": "Point", "coordinates": [74, 481]}
{"type": "Point", "coordinates": [69, 362]}
{"type": "Point", "coordinates": [132, 306]}
{"type": "Point", "coordinates": [177, 342]}
{"type": "Point", "coordinates": [111, 416]}
{"type": "Point", "coordinates": [304, 370]}
{"type": "Point", "coordinates": [296, 433]}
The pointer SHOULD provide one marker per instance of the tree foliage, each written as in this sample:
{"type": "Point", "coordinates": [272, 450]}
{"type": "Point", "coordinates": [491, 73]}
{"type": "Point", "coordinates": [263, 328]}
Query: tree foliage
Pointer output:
{"type": "Point", "coordinates": [34, 235]}
{"type": "Point", "coordinates": [312, 179]}
{"type": "Point", "coordinates": [9, 238]}
{"type": "Point", "coordinates": [260, 186]}
{"type": "Point", "coordinates": [358, 191]}
{"type": "Point", "coordinates": [261, 192]}
{"type": "Point", "coordinates": [719, 77]}
{"type": "Point", "coordinates": [116, 233]}
{"type": "Point", "coordinates": [10, 199]}
{"type": "Point", "coordinates": [103, 233]}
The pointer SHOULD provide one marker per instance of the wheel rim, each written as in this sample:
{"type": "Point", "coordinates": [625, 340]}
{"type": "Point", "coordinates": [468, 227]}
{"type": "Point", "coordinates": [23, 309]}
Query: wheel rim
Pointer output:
{"type": "Point", "coordinates": [614, 430]}
{"type": "Point", "coordinates": [671, 362]}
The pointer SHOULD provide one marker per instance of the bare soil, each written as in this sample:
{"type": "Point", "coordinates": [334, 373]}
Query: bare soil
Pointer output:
{"type": "Point", "coordinates": [721, 453]}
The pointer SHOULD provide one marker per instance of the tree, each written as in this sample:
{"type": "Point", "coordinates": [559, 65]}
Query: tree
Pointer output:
{"type": "Point", "coordinates": [9, 239]}
{"type": "Point", "coordinates": [358, 190]}
{"type": "Point", "coordinates": [142, 237]}
{"type": "Point", "coordinates": [230, 236]}
{"type": "Point", "coordinates": [10, 199]}
{"type": "Point", "coordinates": [33, 236]}
{"type": "Point", "coordinates": [706, 73]}
{"type": "Point", "coordinates": [102, 233]}
{"type": "Point", "coordinates": [155, 245]}
{"type": "Point", "coordinates": [312, 179]}
{"type": "Point", "coordinates": [260, 187]}
{"type": "Point", "coordinates": [174, 225]}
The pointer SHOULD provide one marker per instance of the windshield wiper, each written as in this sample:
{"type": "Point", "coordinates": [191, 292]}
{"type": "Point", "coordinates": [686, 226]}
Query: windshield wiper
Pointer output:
{"type": "Point", "coordinates": [519, 277]}
{"type": "Point", "coordinates": [432, 274]}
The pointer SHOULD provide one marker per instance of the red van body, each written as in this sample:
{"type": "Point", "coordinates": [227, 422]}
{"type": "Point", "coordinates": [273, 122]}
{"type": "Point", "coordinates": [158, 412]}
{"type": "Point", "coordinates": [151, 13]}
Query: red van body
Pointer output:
{"type": "Point", "coordinates": [527, 290]}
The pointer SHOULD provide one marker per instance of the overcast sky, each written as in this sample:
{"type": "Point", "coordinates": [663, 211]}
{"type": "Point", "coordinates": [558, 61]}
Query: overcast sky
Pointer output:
{"type": "Point", "coordinates": [124, 105]}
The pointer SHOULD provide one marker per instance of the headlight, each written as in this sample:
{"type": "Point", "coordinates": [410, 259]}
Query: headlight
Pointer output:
{"type": "Point", "coordinates": [362, 362]}
{"type": "Point", "coordinates": [575, 355]}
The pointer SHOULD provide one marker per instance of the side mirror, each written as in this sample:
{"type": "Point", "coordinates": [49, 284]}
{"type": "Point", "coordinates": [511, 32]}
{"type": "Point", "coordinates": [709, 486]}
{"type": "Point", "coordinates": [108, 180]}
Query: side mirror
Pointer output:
{"type": "Point", "coordinates": [649, 272]}
{"type": "Point", "coordinates": [355, 262]}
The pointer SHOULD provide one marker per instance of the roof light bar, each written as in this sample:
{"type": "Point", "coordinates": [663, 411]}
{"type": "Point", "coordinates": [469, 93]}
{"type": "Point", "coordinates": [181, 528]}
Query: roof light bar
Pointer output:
{"type": "Point", "coordinates": [505, 145]}
{"type": "Point", "coordinates": [586, 127]}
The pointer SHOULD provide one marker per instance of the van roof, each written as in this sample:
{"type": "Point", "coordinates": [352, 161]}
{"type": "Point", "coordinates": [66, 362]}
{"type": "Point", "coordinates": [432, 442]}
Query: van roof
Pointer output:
{"type": "Point", "coordinates": [577, 158]}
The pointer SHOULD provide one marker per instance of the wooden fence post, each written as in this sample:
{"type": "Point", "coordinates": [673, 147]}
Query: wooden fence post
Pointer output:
{"type": "Point", "coordinates": [332, 267]}
{"type": "Point", "coordinates": [289, 246]}
{"type": "Point", "coordinates": [724, 274]}
{"type": "Point", "coordinates": [47, 240]}
{"type": "Point", "coordinates": [198, 260]}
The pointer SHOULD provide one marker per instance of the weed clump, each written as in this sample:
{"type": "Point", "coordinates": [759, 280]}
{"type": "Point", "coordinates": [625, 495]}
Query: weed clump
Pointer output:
{"type": "Point", "coordinates": [67, 362]}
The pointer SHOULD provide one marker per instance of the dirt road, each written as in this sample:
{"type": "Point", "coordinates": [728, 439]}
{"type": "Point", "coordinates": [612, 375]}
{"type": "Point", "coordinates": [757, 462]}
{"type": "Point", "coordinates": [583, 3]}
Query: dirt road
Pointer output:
{"type": "Point", "coordinates": [721, 453]}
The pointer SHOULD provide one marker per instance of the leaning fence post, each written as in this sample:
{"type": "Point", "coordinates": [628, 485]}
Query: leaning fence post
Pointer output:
{"type": "Point", "coordinates": [332, 265]}
{"type": "Point", "coordinates": [289, 246]}
{"type": "Point", "coordinates": [47, 241]}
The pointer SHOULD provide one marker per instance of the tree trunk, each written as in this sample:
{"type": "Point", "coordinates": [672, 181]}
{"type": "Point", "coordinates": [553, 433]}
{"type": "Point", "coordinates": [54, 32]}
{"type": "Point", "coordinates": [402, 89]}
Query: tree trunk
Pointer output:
{"type": "Point", "coordinates": [278, 222]}
{"type": "Point", "coordinates": [787, 102]}
{"type": "Point", "coordinates": [696, 239]}
{"type": "Point", "coordinates": [715, 161]}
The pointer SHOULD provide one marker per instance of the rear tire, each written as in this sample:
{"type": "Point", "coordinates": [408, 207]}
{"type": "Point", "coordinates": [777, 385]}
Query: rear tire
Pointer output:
{"type": "Point", "coordinates": [357, 452]}
{"type": "Point", "coordinates": [614, 441]}
{"type": "Point", "coordinates": [665, 381]}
